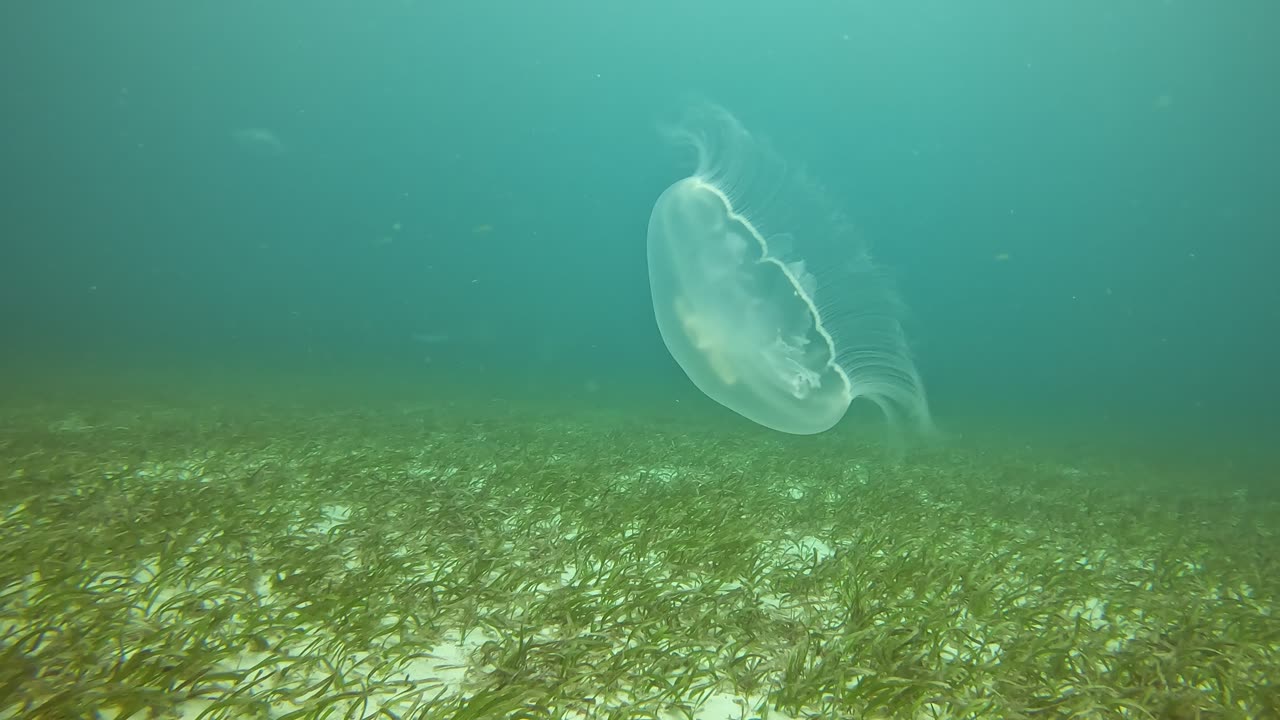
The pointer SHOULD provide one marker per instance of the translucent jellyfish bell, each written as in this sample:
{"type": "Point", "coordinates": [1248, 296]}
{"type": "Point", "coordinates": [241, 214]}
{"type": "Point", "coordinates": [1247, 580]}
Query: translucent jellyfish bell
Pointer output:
{"type": "Point", "coordinates": [765, 297]}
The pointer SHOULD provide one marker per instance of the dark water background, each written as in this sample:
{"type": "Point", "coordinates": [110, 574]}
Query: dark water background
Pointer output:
{"type": "Point", "coordinates": [1080, 200]}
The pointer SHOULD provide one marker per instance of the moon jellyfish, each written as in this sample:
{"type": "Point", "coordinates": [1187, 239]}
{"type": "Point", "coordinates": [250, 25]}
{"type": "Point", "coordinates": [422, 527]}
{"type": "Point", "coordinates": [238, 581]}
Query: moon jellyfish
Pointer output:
{"type": "Point", "coordinates": [766, 298]}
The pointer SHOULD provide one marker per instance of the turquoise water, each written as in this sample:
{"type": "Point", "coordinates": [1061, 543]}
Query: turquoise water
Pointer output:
{"type": "Point", "coordinates": [1076, 201]}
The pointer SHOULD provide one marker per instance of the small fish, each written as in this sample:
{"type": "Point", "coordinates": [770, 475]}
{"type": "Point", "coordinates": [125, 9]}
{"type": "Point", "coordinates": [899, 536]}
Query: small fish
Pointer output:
{"type": "Point", "coordinates": [258, 140]}
{"type": "Point", "coordinates": [426, 338]}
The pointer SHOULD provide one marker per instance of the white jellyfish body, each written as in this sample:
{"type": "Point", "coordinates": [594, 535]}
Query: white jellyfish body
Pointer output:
{"type": "Point", "coordinates": [764, 296]}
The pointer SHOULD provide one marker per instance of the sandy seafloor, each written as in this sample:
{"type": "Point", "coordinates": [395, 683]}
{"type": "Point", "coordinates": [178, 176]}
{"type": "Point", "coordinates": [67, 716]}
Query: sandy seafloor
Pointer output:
{"type": "Point", "coordinates": [285, 549]}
